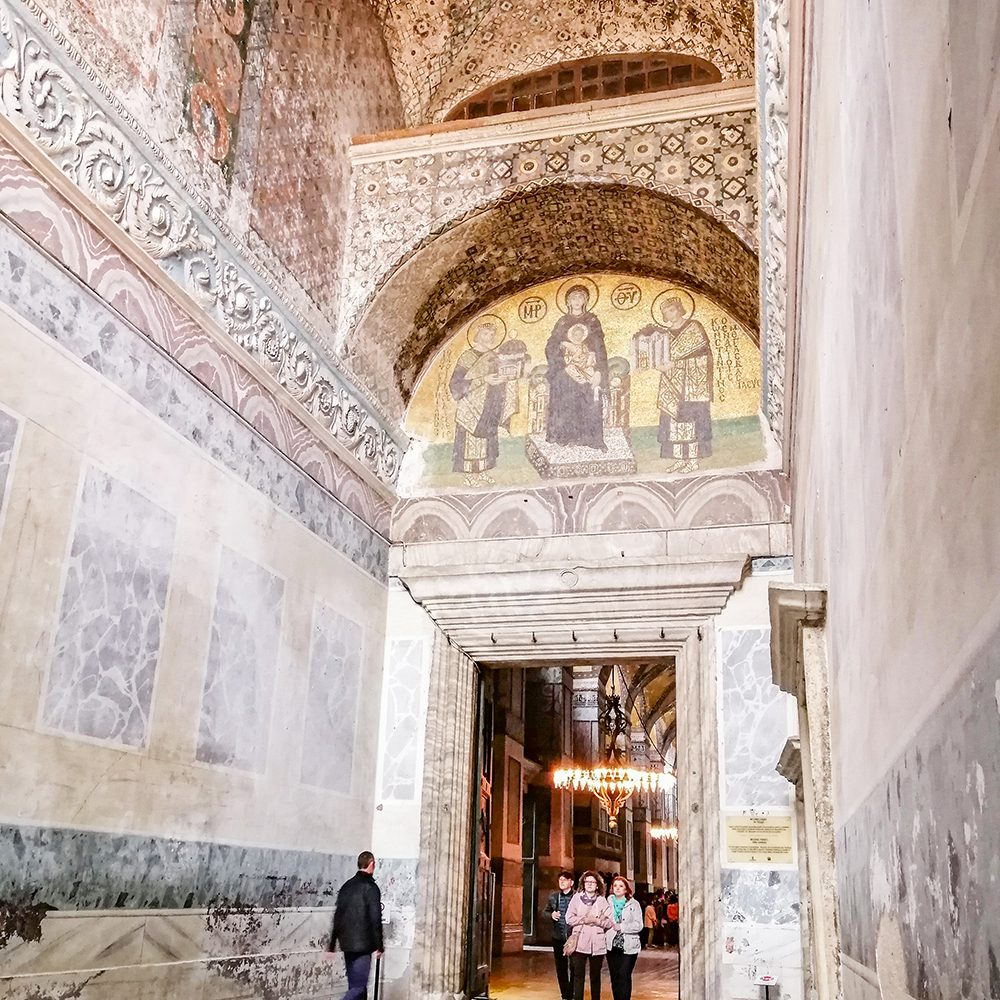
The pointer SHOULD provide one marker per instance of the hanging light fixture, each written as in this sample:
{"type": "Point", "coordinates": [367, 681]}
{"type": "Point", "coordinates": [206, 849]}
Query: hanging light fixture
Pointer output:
{"type": "Point", "coordinates": [663, 832]}
{"type": "Point", "coordinates": [614, 783]}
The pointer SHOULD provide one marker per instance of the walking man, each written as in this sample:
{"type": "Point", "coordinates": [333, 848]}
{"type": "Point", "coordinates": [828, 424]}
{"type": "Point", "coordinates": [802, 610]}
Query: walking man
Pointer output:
{"type": "Point", "coordinates": [556, 907]}
{"type": "Point", "coordinates": [357, 925]}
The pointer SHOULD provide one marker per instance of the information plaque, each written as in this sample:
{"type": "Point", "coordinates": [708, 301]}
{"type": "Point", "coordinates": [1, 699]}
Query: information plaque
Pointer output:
{"type": "Point", "coordinates": [759, 840]}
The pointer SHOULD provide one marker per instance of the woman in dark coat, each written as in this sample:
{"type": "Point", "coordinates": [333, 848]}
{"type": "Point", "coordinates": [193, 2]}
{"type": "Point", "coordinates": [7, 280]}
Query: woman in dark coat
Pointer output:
{"type": "Point", "coordinates": [576, 400]}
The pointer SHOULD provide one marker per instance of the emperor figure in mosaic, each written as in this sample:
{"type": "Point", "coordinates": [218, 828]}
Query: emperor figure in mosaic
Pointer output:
{"type": "Point", "coordinates": [591, 376]}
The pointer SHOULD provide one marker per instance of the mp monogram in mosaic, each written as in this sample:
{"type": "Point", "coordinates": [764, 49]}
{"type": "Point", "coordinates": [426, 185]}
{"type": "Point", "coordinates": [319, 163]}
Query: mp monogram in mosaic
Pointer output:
{"type": "Point", "coordinates": [242, 664]}
{"type": "Point", "coordinates": [754, 723]}
{"type": "Point", "coordinates": [332, 710]}
{"type": "Point", "coordinates": [593, 375]}
{"type": "Point", "coordinates": [405, 692]}
{"type": "Point", "coordinates": [402, 198]}
{"type": "Point", "coordinates": [111, 616]}
{"type": "Point", "coordinates": [9, 426]}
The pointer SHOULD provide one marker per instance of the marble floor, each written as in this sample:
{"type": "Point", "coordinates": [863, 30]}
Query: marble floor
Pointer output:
{"type": "Point", "coordinates": [531, 976]}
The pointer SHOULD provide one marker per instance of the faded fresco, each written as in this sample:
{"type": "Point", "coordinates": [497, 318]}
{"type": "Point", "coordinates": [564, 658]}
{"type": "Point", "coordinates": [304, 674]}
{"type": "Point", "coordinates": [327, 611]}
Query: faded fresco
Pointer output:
{"type": "Point", "coordinates": [601, 375]}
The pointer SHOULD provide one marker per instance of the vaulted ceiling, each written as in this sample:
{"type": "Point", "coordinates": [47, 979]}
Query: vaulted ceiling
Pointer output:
{"type": "Point", "coordinates": [446, 50]}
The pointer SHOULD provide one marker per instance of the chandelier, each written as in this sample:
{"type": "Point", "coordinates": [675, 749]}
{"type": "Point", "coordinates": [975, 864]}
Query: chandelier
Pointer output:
{"type": "Point", "coordinates": [663, 832]}
{"type": "Point", "coordinates": [613, 784]}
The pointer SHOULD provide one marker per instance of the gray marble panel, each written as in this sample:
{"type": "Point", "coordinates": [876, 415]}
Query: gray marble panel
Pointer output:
{"type": "Point", "coordinates": [331, 712]}
{"type": "Point", "coordinates": [75, 318]}
{"type": "Point", "coordinates": [771, 564]}
{"type": "Point", "coordinates": [404, 708]}
{"type": "Point", "coordinates": [754, 723]}
{"type": "Point", "coordinates": [760, 897]}
{"type": "Point", "coordinates": [69, 869]}
{"type": "Point", "coordinates": [242, 664]}
{"type": "Point", "coordinates": [111, 616]}
{"type": "Point", "coordinates": [924, 848]}
{"type": "Point", "coordinates": [9, 426]}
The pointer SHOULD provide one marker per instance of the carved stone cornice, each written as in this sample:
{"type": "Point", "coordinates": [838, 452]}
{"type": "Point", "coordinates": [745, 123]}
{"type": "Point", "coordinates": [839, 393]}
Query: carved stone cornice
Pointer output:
{"type": "Point", "coordinates": [792, 605]}
{"type": "Point", "coordinates": [119, 169]}
{"type": "Point", "coordinates": [774, 61]}
{"type": "Point", "coordinates": [501, 610]}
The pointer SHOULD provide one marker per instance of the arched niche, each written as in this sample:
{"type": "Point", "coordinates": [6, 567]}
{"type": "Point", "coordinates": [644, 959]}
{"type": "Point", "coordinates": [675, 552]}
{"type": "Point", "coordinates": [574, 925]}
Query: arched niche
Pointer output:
{"type": "Point", "coordinates": [546, 233]}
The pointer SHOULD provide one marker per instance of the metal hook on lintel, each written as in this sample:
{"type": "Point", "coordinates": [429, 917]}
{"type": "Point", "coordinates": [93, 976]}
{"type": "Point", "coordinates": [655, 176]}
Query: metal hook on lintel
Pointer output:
{"type": "Point", "coordinates": [574, 635]}
{"type": "Point", "coordinates": [663, 633]}
{"type": "Point", "coordinates": [699, 633]}
{"type": "Point", "coordinates": [533, 637]}
{"type": "Point", "coordinates": [493, 638]}
{"type": "Point", "coordinates": [616, 635]}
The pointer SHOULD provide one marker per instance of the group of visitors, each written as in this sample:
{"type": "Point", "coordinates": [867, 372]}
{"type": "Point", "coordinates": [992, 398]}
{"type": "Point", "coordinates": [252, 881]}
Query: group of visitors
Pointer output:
{"type": "Point", "coordinates": [589, 926]}
{"type": "Point", "coordinates": [661, 920]}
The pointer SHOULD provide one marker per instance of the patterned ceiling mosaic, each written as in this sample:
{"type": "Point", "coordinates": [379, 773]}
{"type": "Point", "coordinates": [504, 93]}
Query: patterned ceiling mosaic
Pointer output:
{"type": "Point", "coordinates": [542, 234]}
{"type": "Point", "coordinates": [403, 199]}
{"type": "Point", "coordinates": [444, 54]}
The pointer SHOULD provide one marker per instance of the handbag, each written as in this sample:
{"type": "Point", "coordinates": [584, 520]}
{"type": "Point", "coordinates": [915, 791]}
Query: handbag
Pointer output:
{"type": "Point", "coordinates": [619, 942]}
{"type": "Point", "coordinates": [572, 941]}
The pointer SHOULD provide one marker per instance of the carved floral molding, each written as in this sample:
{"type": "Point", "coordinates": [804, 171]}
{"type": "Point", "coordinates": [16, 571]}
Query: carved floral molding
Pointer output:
{"type": "Point", "coordinates": [774, 244]}
{"type": "Point", "coordinates": [116, 168]}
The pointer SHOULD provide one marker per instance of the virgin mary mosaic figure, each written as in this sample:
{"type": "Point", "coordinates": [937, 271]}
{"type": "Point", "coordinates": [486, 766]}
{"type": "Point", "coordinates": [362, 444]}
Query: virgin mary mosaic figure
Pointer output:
{"type": "Point", "coordinates": [577, 360]}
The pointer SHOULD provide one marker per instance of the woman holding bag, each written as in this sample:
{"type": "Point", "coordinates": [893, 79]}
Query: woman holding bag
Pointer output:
{"type": "Point", "coordinates": [623, 937]}
{"type": "Point", "coordinates": [589, 916]}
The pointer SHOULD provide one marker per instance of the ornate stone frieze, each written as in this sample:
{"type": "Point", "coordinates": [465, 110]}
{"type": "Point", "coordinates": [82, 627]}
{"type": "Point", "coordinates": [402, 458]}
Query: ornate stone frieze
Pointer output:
{"type": "Point", "coordinates": [774, 248]}
{"type": "Point", "coordinates": [701, 502]}
{"type": "Point", "coordinates": [117, 168]}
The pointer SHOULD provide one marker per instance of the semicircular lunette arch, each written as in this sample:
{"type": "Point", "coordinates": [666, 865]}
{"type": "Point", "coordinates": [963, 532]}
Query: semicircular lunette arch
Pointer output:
{"type": "Point", "coordinates": [441, 60]}
{"type": "Point", "coordinates": [545, 234]}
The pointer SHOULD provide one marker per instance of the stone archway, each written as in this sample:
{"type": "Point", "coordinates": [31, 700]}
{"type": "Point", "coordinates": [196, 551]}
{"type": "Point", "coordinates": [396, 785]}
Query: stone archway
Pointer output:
{"type": "Point", "coordinates": [488, 604]}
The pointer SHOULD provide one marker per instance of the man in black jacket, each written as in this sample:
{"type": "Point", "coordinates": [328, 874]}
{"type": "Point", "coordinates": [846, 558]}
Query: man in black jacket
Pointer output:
{"type": "Point", "coordinates": [556, 908]}
{"type": "Point", "coordinates": [357, 925]}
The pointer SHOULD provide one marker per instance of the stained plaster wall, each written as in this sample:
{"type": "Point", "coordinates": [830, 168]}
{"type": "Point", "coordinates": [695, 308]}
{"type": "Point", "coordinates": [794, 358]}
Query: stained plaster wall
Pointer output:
{"type": "Point", "coordinates": [191, 642]}
{"type": "Point", "coordinates": [294, 80]}
{"type": "Point", "coordinates": [760, 901]}
{"type": "Point", "coordinates": [896, 467]}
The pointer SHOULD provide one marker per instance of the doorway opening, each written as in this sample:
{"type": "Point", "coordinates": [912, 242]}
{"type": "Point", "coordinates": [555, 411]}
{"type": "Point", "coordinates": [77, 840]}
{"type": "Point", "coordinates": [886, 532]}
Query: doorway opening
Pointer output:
{"type": "Point", "coordinates": [534, 720]}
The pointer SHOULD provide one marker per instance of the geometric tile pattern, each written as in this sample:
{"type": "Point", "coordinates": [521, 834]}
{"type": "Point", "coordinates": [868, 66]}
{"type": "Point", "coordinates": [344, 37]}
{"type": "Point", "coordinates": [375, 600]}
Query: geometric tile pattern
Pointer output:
{"type": "Point", "coordinates": [403, 200]}
{"type": "Point", "coordinates": [112, 615]}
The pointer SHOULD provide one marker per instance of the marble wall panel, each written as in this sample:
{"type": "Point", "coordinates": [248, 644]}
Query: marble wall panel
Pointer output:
{"type": "Point", "coordinates": [112, 615]}
{"type": "Point", "coordinates": [70, 869]}
{"type": "Point", "coordinates": [403, 703]}
{"type": "Point", "coordinates": [923, 849]}
{"type": "Point", "coordinates": [242, 664]}
{"type": "Point", "coordinates": [81, 323]}
{"type": "Point", "coordinates": [754, 721]}
{"type": "Point", "coordinates": [331, 711]}
{"type": "Point", "coordinates": [9, 427]}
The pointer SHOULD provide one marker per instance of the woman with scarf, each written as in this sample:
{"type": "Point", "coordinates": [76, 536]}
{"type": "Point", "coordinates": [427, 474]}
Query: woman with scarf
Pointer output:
{"type": "Point", "coordinates": [623, 937]}
{"type": "Point", "coordinates": [589, 917]}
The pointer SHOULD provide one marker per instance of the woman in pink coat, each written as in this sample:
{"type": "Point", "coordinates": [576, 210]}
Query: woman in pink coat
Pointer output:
{"type": "Point", "coordinates": [589, 916]}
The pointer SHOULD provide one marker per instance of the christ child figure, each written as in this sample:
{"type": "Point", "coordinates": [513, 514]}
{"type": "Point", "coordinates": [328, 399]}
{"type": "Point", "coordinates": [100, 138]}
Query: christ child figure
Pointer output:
{"type": "Point", "coordinates": [580, 361]}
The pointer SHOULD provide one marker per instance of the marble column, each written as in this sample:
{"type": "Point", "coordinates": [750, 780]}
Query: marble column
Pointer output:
{"type": "Point", "coordinates": [699, 877]}
{"type": "Point", "coordinates": [445, 828]}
